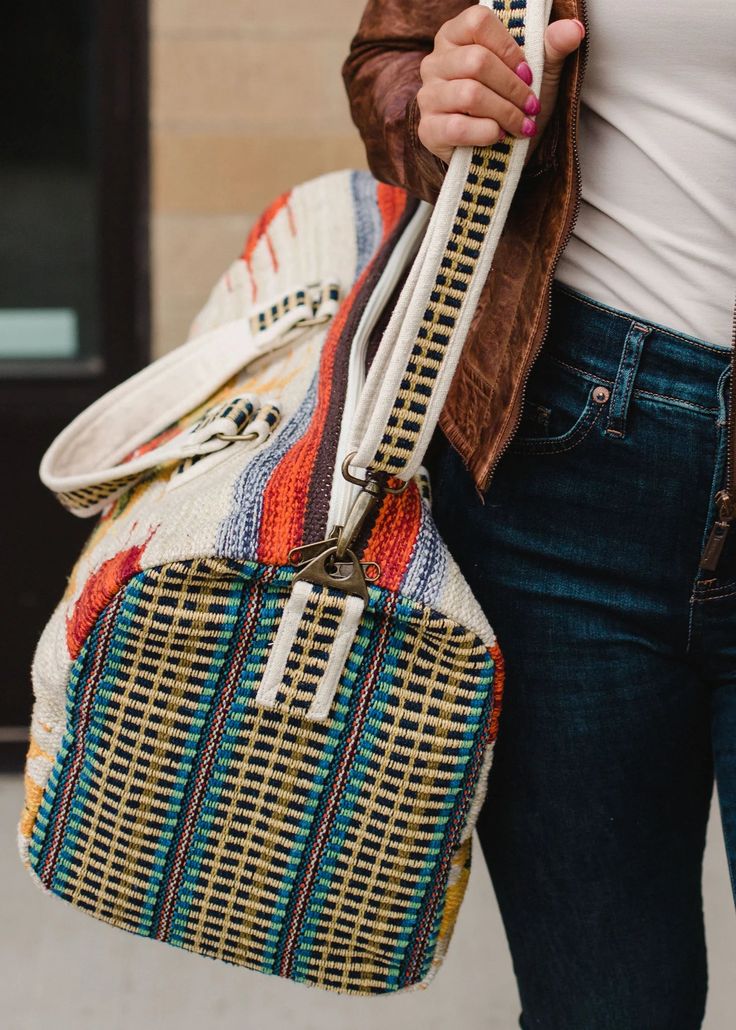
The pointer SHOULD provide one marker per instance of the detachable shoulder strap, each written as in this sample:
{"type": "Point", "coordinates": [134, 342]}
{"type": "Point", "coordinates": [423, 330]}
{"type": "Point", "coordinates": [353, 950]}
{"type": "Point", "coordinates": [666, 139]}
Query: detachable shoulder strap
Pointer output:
{"type": "Point", "coordinates": [414, 365]}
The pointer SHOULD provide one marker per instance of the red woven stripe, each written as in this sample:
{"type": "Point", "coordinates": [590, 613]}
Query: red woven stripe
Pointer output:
{"type": "Point", "coordinates": [260, 229]}
{"type": "Point", "coordinates": [287, 492]}
{"type": "Point", "coordinates": [394, 534]}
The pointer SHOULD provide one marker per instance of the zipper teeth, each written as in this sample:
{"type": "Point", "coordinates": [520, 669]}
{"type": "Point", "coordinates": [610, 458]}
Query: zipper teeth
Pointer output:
{"type": "Point", "coordinates": [343, 491]}
{"type": "Point", "coordinates": [731, 448]}
{"type": "Point", "coordinates": [560, 248]}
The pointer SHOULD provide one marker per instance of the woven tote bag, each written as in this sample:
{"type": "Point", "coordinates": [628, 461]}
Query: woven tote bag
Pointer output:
{"type": "Point", "coordinates": [265, 707]}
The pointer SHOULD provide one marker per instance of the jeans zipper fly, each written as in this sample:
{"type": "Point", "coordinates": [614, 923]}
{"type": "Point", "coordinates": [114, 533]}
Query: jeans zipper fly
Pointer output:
{"type": "Point", "coordinates": [725, 498]}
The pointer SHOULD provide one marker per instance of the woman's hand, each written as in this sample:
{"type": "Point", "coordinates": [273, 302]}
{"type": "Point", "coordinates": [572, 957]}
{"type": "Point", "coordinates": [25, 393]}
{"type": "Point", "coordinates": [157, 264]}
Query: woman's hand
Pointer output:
{"type": "Point", "coordinates": [476, 85]}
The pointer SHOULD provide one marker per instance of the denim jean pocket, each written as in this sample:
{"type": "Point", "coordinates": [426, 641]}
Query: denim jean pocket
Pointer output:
{"type": "Point", "coordinates": [561, 407]}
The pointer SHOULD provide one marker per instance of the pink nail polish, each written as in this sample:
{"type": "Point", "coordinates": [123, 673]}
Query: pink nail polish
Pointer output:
{"type": "Point", "coordinates": [528, 127]}
{"type": "Point", "coordinates": [532, 105]}
{"type": "Point", "coordinates": [580, 26]}
{"type": "Point", "coordinates": [524, 72]}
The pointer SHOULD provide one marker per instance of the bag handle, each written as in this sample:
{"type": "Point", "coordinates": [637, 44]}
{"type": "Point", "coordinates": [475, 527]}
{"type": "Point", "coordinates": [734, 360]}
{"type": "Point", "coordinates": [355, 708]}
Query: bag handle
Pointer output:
{"type": "Point", "coordinates": [89, 462]}
{"type": "Point", "coordinates": [410, 375]}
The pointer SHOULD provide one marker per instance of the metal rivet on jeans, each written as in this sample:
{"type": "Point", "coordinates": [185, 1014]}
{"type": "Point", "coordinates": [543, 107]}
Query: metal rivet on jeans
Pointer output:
{"type": "Point", "coordinates": [601, 394]}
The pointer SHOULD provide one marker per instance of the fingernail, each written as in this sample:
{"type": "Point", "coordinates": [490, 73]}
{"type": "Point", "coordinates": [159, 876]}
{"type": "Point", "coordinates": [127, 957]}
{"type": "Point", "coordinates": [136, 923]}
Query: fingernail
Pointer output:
{"type": "Point", "coordinates": [501, 137]}
{"type": "Point", "coordinates": [532, 105]}
{"type": "Point", "coordinates": [580, 26]}
{"type": "Point", "coordinates": [528, 127]}
{"type": "Point", "coordinates": [524, 72]}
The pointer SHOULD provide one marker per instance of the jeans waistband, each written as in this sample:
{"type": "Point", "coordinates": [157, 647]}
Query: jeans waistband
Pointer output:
{"type": "Point", "coordinates": [595, 338]}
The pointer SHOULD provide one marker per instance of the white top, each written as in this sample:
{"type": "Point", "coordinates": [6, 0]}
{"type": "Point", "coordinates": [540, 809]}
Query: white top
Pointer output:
{"type": "Point", "coordinates": [656, 233]}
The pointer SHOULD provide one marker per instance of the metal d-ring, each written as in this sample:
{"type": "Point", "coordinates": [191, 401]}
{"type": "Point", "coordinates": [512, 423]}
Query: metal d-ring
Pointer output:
{"type": "Point", "coordinates": [363, 482]}
{"type": "Point", "coordinates": [235, 437]}
{"type": "Point", "coordinates": [346, 471]}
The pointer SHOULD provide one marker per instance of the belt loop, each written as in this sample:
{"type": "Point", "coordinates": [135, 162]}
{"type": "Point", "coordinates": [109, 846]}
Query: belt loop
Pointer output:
{"type": "Point", "coordinates": [621, 395]}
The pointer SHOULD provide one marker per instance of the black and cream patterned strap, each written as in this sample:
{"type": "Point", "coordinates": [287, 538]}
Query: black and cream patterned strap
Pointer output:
{"type": "Point", "coordinates": [412, 370]}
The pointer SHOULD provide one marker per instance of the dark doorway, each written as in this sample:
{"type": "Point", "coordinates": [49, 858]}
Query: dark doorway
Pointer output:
{"type": "Point", "coordinates": [74, 281]}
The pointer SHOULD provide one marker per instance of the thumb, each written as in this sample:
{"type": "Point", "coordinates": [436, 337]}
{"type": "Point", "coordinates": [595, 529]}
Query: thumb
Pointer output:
{"type": "Point", "coordinates": [560, 39]}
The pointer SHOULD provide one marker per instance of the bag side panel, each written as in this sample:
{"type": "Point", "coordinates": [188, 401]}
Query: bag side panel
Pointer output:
{"type": "Point", "coordinates": [329, 853]}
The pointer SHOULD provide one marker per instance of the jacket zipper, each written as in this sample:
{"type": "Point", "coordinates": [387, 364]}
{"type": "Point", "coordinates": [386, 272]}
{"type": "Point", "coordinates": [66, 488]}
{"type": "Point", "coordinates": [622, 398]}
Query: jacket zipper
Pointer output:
{"type": "Point", "coordinates": [568, 233]}
{"type": "Point", "coordinates": [725, 498]}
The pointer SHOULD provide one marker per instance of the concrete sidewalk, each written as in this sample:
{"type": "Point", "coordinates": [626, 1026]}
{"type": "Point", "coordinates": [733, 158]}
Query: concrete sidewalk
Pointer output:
{"type": "Point", "coordinates": [65, 970]}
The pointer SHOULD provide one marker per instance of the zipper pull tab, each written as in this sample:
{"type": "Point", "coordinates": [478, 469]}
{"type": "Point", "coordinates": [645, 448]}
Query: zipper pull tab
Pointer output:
{"type": "Point", "coordinates": [717, 537]}
{"type": "Point", "coordinates": [361, 508]}
{"type": "Point", "coordinates": [372, 490]}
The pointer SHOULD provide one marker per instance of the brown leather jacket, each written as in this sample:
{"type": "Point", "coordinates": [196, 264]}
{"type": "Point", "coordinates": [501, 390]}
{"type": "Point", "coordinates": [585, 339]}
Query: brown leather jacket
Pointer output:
{"type": "Point", "coordinates": [381, 76]}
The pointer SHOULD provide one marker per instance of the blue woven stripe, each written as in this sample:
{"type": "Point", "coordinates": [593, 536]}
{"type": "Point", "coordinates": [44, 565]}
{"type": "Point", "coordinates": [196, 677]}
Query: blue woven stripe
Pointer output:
{"type": "Point", "coordinates": [367, 217]}
{"type": "Point", "coordinates": [426, 572]}
{"type": "Point", "coordinates": [49, 813]}
{"type": "Point", "coordinates": [240, 710]}
{"type": "Point", "coordinates": [88, 784]}
{"type": "Point", "coordinates": [347, 699]}
{"type": "Point", "coordinates": [197, 741]}
{"type": "Point", "coordinates": [238, 533]}
{"type": "Point", "coordinates": [458, 802]}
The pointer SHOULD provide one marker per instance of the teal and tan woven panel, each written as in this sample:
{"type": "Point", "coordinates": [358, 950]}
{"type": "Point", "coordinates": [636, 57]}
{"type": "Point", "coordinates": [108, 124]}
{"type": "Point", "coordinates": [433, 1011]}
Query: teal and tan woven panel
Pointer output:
{"type": "Point", "coordinates": [321, 851]}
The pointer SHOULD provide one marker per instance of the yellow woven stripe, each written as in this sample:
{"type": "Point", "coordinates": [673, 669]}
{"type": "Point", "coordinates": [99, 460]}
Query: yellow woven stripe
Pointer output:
{"type": "Point", "coordinates": [161, 650]}
{"type": "Point", "coordinates": [401, 787]}
{"type": "Point", "coordinates": [486, 174]}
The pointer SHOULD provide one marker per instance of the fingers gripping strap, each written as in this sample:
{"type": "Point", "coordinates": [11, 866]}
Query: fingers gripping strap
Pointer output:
{"type": "Point", "coordinates": [410, 376]}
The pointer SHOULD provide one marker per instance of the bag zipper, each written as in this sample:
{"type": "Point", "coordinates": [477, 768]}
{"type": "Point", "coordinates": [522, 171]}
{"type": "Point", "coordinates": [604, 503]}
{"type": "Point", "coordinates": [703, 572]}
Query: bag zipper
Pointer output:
{"type": "Point", "coordinates": [570, 225]}
{"type": "Point", "coordinates": [344, 493]}
{"type": "Point", "coordinates": [725, 498]}
{"type": "Point", "coordinates": [331, 561]}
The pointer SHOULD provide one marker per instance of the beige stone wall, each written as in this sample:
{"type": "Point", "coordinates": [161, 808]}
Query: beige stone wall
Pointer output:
{"type": "Point", "coordinates": [246, 100]}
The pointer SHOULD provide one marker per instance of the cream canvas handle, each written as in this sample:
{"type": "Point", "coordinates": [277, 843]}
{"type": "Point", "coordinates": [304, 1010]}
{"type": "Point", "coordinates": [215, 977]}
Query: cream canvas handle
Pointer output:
{"type": "Point", "coordinates": [413, 367]}
{"type": "Point", "coordinates": [87, 463]}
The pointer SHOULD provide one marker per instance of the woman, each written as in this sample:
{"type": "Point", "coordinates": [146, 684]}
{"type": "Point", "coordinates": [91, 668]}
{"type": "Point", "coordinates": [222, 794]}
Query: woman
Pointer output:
{"type": "Point", "coordinates": [584, 475]}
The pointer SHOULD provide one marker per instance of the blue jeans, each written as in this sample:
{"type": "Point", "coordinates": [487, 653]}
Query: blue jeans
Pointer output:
{"type": "Point", "coordinates": [620, 657]}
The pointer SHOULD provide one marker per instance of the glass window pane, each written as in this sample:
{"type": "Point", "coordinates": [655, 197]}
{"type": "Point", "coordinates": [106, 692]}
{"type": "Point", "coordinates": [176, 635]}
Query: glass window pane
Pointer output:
{"type": "Point", "coordinates": [48, 183]}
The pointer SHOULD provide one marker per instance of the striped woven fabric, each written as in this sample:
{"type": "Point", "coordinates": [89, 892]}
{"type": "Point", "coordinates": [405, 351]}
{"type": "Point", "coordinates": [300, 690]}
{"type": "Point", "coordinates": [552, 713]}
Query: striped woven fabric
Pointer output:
{"type": "Point", "coordinates": [179, 810]}
{"type": "Point", "coordinates": [226, 755]}
{"type": "Point", "coordinates": [419, 368]}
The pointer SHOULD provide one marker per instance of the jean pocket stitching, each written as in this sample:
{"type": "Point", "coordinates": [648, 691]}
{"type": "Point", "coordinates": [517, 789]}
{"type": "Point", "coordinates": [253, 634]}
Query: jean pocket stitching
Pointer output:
{"type": "Point", "coordinates": [574, 435]}
{"type": "Point", "coordinates": [582, 373]}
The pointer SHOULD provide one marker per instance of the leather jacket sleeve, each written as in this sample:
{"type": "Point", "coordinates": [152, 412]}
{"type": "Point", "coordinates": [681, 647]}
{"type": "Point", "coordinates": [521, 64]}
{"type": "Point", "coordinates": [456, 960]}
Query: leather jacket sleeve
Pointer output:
{"type": "Point", "coordinates": [381, 77]}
